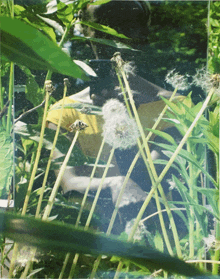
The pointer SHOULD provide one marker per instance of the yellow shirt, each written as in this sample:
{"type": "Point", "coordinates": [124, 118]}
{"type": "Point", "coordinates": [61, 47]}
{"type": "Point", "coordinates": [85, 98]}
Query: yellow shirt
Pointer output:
{"type": "Point", "coordinates": [90, 139]}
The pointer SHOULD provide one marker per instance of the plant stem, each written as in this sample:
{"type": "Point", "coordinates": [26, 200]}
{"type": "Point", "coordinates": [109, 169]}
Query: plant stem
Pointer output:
{"type": "Point", "coordinates": [2, 102]}
{"type": "Point", "coordinates": [64, 265]}
{"type": "Point", "coordinates": [192, 219]}
{"type": "Point", "coordinates": [133, 164]}
{"type": "Point", "coordinates": [37, 155]}
{"type": "Point", "coordinates": [58, 180]}
{"type": "Point", "coordinates": [10, 98]}
{"type": "Point", "coordinates": [90, 181]}
{"type": "Point", "coordinates": [148, 166]}
{"type": "Point", "coordinates": [93, 208]}
{"type": "Point", "coordinates": [217, 234]}
{"type": "Point", "coordinates": [37, 214]}
{"type": "Point", "coordinates": [152, 167]}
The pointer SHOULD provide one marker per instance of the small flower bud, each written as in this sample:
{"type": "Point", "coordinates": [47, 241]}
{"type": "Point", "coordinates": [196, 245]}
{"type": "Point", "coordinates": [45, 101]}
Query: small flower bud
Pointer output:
{"type": "Point", "coordinates": [49, 86]}
{"type": "Point", "coordinates": [78, 125]}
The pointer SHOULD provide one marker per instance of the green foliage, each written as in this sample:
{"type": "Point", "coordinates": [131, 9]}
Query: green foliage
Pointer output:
{"type": "Point", "coordinates": [214, 37]}
{"type": "Point", "coordinates": [27, 46]}
{"type": "Point", "coordinates": [6, 163]}
{"type": "Point", "coordinates": [66, 238]}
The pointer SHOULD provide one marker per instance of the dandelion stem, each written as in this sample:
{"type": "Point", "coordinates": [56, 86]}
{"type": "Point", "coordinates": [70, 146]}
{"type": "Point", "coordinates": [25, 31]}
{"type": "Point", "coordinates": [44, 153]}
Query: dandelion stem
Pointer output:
{"type": "Point", "coordinates": [58, 180]}
{"type": "Point", "coordinates": [173, 226]}
{"type": "Point", "coordinates": [217, 234]}
{"type": "Point", "coordinates": [83, 203]}
{"type": "Point", "coordinates": [90, 181]}
{"type": "Point", "coordinates": [37, 214]}
{"type": "Point", "coordinates": [37, 155]}
{"type": "Point", "coordinates": [93, 206]}
{"type": "Point", "coordinates": [10, 98]}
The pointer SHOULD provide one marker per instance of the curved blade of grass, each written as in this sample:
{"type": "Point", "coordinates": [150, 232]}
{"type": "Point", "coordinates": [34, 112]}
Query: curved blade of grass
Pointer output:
{"type": "Point", "coordinates": [103, 28]}
{"type": "Point", "coordinates": [27, 46]}
{"type": "Point", "coordinates": [67, 238]}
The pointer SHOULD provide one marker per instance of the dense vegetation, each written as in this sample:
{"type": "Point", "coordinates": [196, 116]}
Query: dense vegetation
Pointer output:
{"type": "Point", "coordinates": [177, 39]}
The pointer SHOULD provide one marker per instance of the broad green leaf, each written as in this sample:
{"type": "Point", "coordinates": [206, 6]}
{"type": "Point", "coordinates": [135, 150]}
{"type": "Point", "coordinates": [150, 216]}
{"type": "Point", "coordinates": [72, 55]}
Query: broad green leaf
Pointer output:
{"type": "Point", "coordinates": [34, 20]}
{"type": "Point", "coordinates": [105, 42]}
{"type": "Point", "coordinates": [66, 238]}
{"type": "Point", "coordinates": [103, 28]}
{"type": "Point", "coordinates": [6, 163]}
{"type": "Point", "coordinates": [27, 46]}
{"type": "Point", "coordinates": [65, 12]}
{"type": "Point", "coordinates": [83, 108]}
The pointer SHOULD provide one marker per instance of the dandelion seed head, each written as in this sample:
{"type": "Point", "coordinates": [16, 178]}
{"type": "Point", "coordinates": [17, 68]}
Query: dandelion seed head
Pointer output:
{"type": "Point", "coordinates": [206, 80]}
{"type": "Point", "coordinates": [113, 107]}
{"type": "Point", "coordinates": [129, 68]}
{"type": "Point", "coordinates": [177, 80]}
{"type": "Point", "coordinates": [120, 131]}
{"type": "Point", "coordinates": [209, 242]}
{"type": "Point", "coordinates": [140, 233]}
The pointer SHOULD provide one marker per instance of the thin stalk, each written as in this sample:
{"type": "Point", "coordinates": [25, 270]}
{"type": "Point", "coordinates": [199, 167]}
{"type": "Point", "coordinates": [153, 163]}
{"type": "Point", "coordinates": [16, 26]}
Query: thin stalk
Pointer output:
{"type": "Point", "coordinates": [84, 200]}
{"type": "Point", "coordinates": [58, 180]}
{"type": "Point", "coordinates": [3, 122]}
{"type": "Point", "coordinates": [93, 207]}
{"type": "Point", "coordinates": [37, 214]}
{"type": "Point", "coordinates": [164, 231]}
{"type": "Point", "coordinates": [97, 261]}
{"type": "Point", "coordinates": [30, 186]}
{"type": "Point", "coordinates": [90, 181]}
{"type": "Point", "coordinates": [217, 234]}
{"type": "Point", "coordinates": [29, 264]}
{"type": "Point", "coordinates": [192, 218]}
{"type": "Point", "coordinates": [13, 259]}
{"type": "Point", "coordinates": [99, 189]}
{"type": "Point", "coordinates": [15, 250]}
{"type": "Point", "coordinates": [10, 98]}
{"type": "Point", "coordinates": [152, 167]}
{"type": "Point", "coordinates": [64, 265]}
{"type": "Point", "coordinates": [133, 164]}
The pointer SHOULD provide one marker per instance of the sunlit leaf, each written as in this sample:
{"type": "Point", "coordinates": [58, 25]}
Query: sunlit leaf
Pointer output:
{"type": "Point", "coordinates": [27, 46]}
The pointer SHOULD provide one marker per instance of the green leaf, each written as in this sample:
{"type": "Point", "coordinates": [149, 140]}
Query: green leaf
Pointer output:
{"type": "Point", "coordinates": [66, 238]}
{"type": "Point", "coordinates": [65, 13]}
{"type": "Point", "coordinates": [103, 28]}
{"type": "Point", "coordinates": [25, 45]}
{"type": "Point", "coordinates": [105, 42]}
{"type": "Point", "coordinates": [187, 156]}
{"type": "Point", "coordinates": [100, 2]}
{"type": "Point", "coordinates": [6, 163]}
{"type": "Point", "coordinates": [163, 135]}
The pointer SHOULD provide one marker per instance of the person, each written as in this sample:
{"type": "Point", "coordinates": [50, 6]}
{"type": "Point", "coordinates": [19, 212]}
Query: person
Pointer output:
{"type": "Point", "coordinates": [102, 88]}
